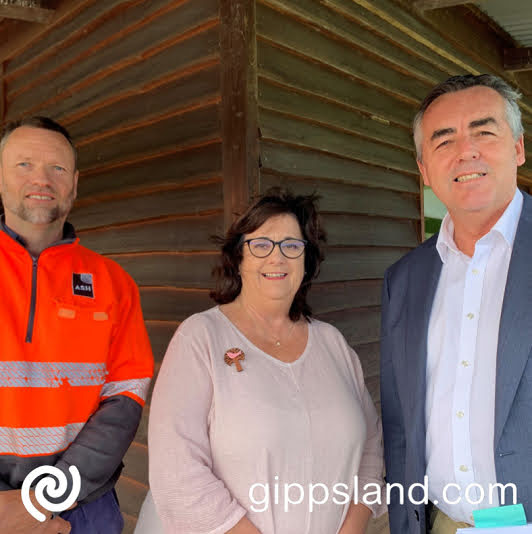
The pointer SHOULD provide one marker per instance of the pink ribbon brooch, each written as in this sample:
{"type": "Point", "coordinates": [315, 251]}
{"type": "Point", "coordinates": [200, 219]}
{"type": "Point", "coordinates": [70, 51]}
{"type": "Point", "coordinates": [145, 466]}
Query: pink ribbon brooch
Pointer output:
{"type": "Point", "coordinates": [233, 356]}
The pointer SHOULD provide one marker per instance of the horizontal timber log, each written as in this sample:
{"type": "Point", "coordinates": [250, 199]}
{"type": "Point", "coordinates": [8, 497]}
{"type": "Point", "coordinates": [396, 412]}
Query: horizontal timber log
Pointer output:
{"type": "Point", "coordinates": [313, 164]}
{"type": "Point", "coordinates": [166, 202]}
{"type": "Point", "coordinates": [182, 234]}
{"type": "Point", "coordinates": [342, 198]}
{"type": "Point", "coordinates": [167, 169]}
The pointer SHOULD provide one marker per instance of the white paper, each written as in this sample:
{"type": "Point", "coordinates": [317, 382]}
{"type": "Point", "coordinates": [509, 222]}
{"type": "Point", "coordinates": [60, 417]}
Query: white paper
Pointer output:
{"type": "Point", "coordinates": [525, 529]}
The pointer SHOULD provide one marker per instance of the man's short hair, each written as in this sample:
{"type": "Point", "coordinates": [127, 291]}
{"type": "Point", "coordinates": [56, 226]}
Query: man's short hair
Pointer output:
{"type": "Point", "coordinates": [44, 123]}
{"type": "Point", "coordinates": [466, 81]}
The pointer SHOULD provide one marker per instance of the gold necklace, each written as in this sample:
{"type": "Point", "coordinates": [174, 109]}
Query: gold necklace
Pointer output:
{"type": "Point", "coordinates": [278, 342]}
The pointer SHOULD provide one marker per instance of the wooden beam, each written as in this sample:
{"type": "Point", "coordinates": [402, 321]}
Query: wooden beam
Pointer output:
{"type": "Point", "coordinates": [17, 35]}
{"type": "Point", "coordinates": [518, 59]}
{"type": "Point", "coordinates": [425, 5]}
{"type": "Point", "coordinates": [27, 13]}
{"type": "Point", "coordinates": [239, 105]}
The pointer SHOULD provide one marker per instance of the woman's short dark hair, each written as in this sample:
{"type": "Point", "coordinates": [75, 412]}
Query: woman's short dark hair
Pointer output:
{"type": "Point", "coordinates": [273, 202]}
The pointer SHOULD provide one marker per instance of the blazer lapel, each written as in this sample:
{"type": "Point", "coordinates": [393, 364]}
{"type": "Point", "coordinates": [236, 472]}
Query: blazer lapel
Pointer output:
{"type": "Point", "coordinates": [423, 281]}
{"type": "Point", "coordinates": [515, 330]}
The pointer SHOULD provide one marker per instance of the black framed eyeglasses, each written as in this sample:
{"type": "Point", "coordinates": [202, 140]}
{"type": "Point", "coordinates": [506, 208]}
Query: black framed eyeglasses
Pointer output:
{"type": "Point", "coordinates": [261, 247]}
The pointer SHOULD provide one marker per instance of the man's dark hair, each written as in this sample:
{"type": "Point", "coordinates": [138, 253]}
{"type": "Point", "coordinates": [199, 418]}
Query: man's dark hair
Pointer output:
{"type": "Point", "coordinates": [466, 81]}
{"type": "Point", "coordinates": [44, 123]}
{"type": "Point", "coordinates": [274, 202]}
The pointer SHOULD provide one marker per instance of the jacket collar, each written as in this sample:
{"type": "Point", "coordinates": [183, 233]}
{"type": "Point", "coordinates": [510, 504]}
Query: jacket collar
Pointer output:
{"type": "Point", "coordinates": [69, 234]}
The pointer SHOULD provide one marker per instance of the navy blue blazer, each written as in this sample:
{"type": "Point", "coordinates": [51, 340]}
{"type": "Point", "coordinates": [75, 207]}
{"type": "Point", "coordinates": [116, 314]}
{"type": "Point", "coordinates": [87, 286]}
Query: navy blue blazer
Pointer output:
{"type": "Point", "coordinates": [407, 296]}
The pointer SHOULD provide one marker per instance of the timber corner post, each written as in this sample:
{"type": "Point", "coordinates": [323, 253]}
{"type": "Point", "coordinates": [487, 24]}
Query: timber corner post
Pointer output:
{"type": "Point", "coordinates": [239, 113]}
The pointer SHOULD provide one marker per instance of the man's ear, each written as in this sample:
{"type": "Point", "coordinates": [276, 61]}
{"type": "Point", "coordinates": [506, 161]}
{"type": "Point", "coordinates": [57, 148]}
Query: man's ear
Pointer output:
{"type": "Point", "coordinates": [76, 176]}
{"type": "Point", "coordinates": [423, 172]}
{"type": "Point", "coordinates": [520, 151]}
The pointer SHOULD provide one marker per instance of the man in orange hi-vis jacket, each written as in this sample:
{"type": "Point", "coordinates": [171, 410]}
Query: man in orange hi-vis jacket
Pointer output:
{"type": "Point", "coordinates": [75, 359]}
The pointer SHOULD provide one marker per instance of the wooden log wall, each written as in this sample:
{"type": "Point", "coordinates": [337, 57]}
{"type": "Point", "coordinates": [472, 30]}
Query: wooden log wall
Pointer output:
{"type": "Point", "coordinates": [339, 82]}
{"type": "Point", "coordinates": [138, 84]}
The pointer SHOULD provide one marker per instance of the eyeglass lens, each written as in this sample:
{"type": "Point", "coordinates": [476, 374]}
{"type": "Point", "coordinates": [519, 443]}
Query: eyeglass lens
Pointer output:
{"type": "Point", "coordinates": [291, 248]}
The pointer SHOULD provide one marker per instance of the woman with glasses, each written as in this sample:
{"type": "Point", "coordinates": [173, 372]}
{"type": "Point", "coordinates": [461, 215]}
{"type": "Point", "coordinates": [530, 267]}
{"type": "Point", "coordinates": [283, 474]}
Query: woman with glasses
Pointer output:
{"type": "Point", "coordinates": [260, 421]}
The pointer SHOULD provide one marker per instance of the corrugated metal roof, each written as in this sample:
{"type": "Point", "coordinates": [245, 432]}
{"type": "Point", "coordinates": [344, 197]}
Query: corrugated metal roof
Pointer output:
{"type": "Point", "coordinates": [514, 16]}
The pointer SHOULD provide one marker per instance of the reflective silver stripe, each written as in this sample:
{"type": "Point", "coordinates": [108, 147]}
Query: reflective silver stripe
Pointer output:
{"type": "Point", "coordinates": [32, 441]}
{"type": "Point", "coordinates": [51, 374]}
{"type": "Point", "coordinates": [138, 387]}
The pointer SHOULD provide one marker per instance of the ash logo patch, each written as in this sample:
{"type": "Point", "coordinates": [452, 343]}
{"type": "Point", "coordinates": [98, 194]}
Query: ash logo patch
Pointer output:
{"type": "Point", "coordinates": [82, 285]}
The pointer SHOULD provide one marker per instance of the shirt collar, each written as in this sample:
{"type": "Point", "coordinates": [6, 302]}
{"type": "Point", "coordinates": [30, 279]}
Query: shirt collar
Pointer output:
{"type": "Point", "coordinates": [506, 227]}
{"type": "Point", "coordinates": [69, 233]}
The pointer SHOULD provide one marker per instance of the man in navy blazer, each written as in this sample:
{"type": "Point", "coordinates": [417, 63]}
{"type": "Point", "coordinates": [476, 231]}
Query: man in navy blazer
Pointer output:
{"type": "Point", "coordinates": [456, 360]}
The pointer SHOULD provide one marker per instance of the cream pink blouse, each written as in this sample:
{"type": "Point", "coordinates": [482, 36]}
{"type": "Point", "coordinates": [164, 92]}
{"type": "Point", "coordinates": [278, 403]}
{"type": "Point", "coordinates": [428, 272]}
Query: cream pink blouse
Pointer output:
{"type": "Point", "coordinates": [224, 443]}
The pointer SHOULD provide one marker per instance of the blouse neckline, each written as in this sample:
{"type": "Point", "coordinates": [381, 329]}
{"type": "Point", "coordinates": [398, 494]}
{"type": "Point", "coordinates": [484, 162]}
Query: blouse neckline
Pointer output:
{"type": "Point", "coordinates": [301, 357]}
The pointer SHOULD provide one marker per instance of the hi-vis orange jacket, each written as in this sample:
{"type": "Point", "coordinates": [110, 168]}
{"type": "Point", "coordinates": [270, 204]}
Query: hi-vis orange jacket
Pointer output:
{"type": "Point", "coordinates": [75, 362]}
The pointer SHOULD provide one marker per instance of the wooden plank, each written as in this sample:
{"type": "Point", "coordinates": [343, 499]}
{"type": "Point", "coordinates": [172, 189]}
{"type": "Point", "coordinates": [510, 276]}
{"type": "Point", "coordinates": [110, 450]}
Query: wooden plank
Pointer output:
{"type": "Point", "coordinates": [358, 325]}
{"type": "Point", "coordinates": [424, 5]}
{"type": "Point", "coordinates": [337, 296]}
{"type": "Point", "coordinates": [149, 101]}
{"type": "Point", "coordinates": [131, 495]}
{"type": "Point", "coordinates": [109, 63]}
{"type": "Point", "coordinates": [518, 59]}
{"type": "Point", "coordinates": [340, 198]}
{"type": "Point", "coordinates": [312, 44]}
{"type": "Point", "coordinates": [130, 522]}
{"type": "Point", "coordinates": [69, 15]}
{"type": "Point", "coordinates": [29, 13]}
{"type": "Point", "coordinates": [59, 40]}
{"type": "Point", "coordinates": [144, 29]}
{"type": "Point", "coordinates": [17, 36]}
{"type": "Point", "coordinates": [294, 161]}
{"type": "Point", "coordinates": [358, 263]}
{"type": "Point", "coordinates": [178, 167]}
{"type": "Point", "coordinates": [192, 270]}
{"type": "Point", "coordinates": [327, 21]}
{"type": "Point", "coordinates": [303, 104]}
{"type": "Point", "coordinates": [136, 463]}
{"type": "Point", "coordinates": [297, 131]}
{"type": "Point", "coordinates": [373, 386]}
{"type": "Point", "coordinates": [284, 66]}
{"type": "Point", "coordinates": [160, 334]}
{"type": "Point", "coordinates": [357, 230]}
{"type": "Point", "coordinates": [178, 201]}
{"type": "Point", "coordinates": [455, 46]}
{"type": "Point", "coordinates": [171, 234]}
{"type": "Point", "coordinates": [91, 35]}
{"type": "Point", "coordinates": [357, 14]}
{"type": "Point", "coordinates": [142, 431]}
{"type": "Point", "coordinates": [152, 137]}
{"type": "Point", "coordinates": [401, 19]}
{"type": "Point", "coordinates": [139, 72]}
{"type": "Point", "coordinates": [239, 105]}
{"type": "Point", "coordinates": [472, 33]}
{"type": "Point", "coordinates": [375, 526]}
{"type": "Point", "coordinates": [173, 304]}
{"type": "Point", "coordinates": [369, 358]}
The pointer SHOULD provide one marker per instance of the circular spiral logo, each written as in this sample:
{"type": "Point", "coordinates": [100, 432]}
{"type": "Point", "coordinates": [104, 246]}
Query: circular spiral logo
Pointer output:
{"type": "Point", "coordinates": [56, 487]}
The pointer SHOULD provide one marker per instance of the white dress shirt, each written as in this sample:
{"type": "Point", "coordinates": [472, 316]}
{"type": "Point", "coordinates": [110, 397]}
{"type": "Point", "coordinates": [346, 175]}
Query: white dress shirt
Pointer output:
{"type": "Point", "coordinates": [461, 365]}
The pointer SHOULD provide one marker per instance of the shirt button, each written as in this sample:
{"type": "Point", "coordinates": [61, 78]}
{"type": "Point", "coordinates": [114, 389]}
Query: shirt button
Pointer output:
{"type": "Point", "coordinates": [460, 414]}
{"type": "Point", "coordinates": [470, 316]}
{"type": "Point", "coordinates": [465, 363]}
{"type": "Point", "coordinates": [464, 468]}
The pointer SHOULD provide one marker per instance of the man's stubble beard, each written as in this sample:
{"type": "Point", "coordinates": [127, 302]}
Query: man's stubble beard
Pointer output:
{"type": "Point", "coordinates": [41, 215]}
